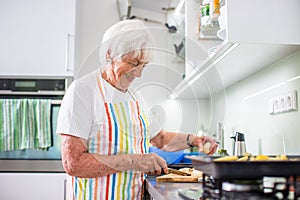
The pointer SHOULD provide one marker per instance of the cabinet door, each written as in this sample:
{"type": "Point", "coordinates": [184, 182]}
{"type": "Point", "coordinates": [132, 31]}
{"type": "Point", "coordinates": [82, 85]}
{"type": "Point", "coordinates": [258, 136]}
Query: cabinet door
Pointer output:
{"type": "Point", "coordinates": [30, 186]}
{"type": "Point", "coordinates": [37, 37]}
{"type": "Point", "coordinates": [268, 21]}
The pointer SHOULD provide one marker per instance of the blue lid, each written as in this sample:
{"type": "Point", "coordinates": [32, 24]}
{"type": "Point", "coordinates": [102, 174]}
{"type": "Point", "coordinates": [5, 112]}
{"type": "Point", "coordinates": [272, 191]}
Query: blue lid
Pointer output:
{"type": "Point", "coordinates": [188, 161]}
{"type": "Point", "coordinates": [170, 157]}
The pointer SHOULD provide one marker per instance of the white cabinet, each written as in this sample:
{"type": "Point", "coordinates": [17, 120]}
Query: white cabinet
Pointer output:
{"type": "Point", "coordinates": [268, 21]}
{"type": "Point", "coordinates": [37, 37]}
{"type": "Point", "coordinates": [258, 33]}
{"type": "Point", "coordinates": [31, 186]}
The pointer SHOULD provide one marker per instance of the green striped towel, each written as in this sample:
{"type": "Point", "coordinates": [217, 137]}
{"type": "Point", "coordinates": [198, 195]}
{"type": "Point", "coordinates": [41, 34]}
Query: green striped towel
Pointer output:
{"type": "Point", "coordinates": [25, 124]}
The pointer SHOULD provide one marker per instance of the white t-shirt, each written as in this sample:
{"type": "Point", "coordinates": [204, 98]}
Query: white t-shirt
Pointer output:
{"type": "Point", "coordinates": [82, 110]}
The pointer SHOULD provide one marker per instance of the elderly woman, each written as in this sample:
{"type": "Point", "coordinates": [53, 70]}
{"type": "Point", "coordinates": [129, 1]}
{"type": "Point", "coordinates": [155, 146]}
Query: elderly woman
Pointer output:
{"type": "Point", "coordinates": [104, 130]}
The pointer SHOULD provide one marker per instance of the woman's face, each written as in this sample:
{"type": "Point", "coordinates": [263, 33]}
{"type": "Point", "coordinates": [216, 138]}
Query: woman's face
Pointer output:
{"type": "Point", "coordinates": [127, 69]}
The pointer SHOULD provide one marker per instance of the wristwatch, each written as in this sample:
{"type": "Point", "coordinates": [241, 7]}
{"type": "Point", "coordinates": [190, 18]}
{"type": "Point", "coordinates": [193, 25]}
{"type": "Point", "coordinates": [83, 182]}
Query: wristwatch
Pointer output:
{"type": "Point", "coordinates": [188, 141]}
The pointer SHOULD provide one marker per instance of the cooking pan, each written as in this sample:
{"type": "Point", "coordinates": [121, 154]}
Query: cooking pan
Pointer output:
{"type": "Point", "coordinates": [229, 170]}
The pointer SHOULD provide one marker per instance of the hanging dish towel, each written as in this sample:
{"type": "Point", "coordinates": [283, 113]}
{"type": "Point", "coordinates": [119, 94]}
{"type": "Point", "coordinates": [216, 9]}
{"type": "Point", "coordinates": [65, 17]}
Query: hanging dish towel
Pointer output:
{"type": "Point", "coordinates": [25, 124]}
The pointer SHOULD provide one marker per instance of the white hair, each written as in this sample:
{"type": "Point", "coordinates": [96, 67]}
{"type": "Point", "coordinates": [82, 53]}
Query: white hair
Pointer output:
{"type": "Point", "coordinates": [124, 37]}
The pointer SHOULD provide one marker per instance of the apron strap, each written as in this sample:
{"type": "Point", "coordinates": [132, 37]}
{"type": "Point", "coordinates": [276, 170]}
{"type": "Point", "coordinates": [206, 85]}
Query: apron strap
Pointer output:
{"type": "Point", "coordinates": [131, 94]}
{"type": "Point", "coordinates": [100, 85]}
{"type": "Point", "coordinates": [102, 91]}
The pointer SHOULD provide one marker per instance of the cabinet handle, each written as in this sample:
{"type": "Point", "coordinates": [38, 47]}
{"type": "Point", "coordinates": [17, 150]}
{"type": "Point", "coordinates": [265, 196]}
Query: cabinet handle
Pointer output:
{"type": "Point", "coordinates": [67, 67]}
{"type": "Point", "coordinates": [65, 189]}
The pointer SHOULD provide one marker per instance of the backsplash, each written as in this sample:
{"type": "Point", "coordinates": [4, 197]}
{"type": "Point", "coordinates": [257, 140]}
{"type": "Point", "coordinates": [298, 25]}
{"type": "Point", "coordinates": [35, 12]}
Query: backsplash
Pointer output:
{"type": "Point", "coordinates": [247, 109]}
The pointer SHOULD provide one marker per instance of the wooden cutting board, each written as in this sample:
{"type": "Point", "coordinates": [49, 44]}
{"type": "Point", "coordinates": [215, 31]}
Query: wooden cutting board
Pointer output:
{"type": "Point", "coordinates": [177, 179]}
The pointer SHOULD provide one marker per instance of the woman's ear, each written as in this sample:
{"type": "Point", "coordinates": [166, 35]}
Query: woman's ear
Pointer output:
{"type": "Point", "coordinates": [108, 56]}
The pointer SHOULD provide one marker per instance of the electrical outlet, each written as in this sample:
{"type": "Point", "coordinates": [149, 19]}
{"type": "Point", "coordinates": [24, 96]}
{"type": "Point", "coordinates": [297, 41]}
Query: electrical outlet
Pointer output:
{"type": "Point", "coordinates": [277, 105]}
{"type": "Point", "coordinates": [291, 101]}
{"type": "Point", "coordinates": [282, 105]}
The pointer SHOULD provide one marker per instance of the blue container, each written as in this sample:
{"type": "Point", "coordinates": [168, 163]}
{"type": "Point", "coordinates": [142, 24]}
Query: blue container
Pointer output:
{"type": "Point", "coordinates": [188, 161]}
{"type": "Point", "coordinates": [170, 157]}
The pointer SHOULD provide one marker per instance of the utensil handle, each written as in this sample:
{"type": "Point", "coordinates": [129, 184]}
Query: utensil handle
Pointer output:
{"type": "Point", "coordinates": [175, 171]}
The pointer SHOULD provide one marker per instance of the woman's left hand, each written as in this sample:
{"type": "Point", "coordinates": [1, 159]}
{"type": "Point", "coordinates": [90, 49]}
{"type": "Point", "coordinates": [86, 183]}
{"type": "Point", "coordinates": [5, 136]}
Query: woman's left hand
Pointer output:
{"type": "Point", "coordinates": [205, 144]}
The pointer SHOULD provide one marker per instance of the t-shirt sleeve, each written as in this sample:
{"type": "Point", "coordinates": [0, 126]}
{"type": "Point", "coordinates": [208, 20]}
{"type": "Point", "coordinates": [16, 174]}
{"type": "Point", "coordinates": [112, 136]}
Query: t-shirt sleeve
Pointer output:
{"type": "Point", "coordinates": [157, 120]}
{"type": "Point", "coordinates": [155, 117]}
{"type": "Point", "coordinates": [76, 113]}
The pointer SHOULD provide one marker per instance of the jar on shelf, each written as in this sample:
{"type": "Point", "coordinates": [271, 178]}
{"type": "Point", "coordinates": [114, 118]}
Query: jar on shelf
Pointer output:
{"type": "Point", "coordinates": [209, 25]}
{"type": "Point", "coordinates": [205, 12]}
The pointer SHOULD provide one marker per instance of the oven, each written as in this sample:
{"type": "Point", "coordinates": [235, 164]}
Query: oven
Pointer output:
{"type": "Point", "coordinates": [34, 89]}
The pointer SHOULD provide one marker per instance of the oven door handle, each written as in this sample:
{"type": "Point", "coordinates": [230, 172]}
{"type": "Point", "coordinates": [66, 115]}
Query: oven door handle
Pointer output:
{"type": "Point", "coordinates": [39, 92]}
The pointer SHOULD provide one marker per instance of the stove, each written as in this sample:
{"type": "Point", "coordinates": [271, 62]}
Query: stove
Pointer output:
{"type": "Point", "coordinates": [272, 179]}
{"type": "Point", "coordinates": [267, 188]}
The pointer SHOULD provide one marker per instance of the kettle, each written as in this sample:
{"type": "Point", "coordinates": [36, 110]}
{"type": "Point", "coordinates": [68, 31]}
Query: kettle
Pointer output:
{"type": "Point", "coordinates": [239, 145]}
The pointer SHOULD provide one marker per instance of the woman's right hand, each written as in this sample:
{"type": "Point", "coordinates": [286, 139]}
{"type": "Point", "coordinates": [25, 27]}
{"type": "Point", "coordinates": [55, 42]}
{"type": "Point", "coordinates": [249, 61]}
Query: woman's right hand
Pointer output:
{"type": "Point", "coordinates": [149, 163]}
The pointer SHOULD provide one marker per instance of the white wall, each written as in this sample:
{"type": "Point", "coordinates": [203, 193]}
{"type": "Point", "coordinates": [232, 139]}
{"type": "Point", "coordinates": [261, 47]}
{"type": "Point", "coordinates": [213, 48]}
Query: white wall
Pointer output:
{"type": "Point", "coordinates": [93, 17]}
{"type": "Point", "coordinates": [251, 117]}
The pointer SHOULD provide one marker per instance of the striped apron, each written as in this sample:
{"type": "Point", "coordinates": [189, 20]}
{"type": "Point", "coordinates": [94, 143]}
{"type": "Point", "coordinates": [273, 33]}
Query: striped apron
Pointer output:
{"type": "Point", "coordinates": [124, 132]}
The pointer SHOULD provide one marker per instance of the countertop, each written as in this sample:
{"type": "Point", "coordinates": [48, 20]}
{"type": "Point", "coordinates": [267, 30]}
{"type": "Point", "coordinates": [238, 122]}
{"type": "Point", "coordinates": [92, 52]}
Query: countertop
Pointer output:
{"type": "Point", "coordinates": [160, 191]}
{"type": "Point", "coordinates": [31, 166]}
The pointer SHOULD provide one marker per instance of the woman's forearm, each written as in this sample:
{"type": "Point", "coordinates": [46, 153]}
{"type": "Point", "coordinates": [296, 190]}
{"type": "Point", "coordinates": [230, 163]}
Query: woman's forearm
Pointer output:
{"type": "Point", "coordinates": [77, 161]}
{"type": "Point", "coordinates": [95, 165]}
{"type": "Point", "coordinates": [171, 141]}
{"type": "Point", "coordinates": [91, 165]}
{"type": "Point", "coordinates": [176, 142]}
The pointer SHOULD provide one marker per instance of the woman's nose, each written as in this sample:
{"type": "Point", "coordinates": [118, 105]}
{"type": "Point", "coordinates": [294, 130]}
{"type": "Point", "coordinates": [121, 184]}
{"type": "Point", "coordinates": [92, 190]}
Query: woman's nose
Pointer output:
{"type": "Point", "coordinates": [138, 71]}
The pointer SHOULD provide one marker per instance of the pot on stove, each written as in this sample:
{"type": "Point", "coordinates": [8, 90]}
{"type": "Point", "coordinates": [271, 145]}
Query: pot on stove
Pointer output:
{"type": "Point", "coordinates": [239, 145]}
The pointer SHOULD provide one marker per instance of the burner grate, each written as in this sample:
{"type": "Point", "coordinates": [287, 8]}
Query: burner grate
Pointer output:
{"type": "Point", "coordinates": [279, 188]}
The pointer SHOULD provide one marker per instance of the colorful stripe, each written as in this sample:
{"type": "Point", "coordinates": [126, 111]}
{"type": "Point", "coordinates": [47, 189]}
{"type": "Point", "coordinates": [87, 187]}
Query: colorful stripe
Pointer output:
{"type": "Point", "coordinates": [95, 189]}
{"type": "Point", "coordinates": [134, 127]}
{"type": "Point", "coordinates": [109, 128]}
{"type": "Point", "coordinates": [100, 87]}
{"type": "Point", "coordinates": [141, 130]}
{"type": "Point", "coordinates": [125, 127]}
{"type": "Point", "coordinates": [115, 125]}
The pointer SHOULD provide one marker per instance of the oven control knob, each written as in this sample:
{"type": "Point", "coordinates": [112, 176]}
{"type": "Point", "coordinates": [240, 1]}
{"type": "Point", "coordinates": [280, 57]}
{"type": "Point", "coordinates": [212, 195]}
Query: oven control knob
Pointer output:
{"type": "Point", "coordinates": [60, 86]}
{"type": "Point", "coordinates": [4, 85]}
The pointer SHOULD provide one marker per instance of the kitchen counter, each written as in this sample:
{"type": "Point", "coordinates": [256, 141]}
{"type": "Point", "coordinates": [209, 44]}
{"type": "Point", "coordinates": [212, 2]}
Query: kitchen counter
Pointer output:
{"type": "Point", "coordinates": [31, 166]}
{"type": "Point", "coordinates": [159, 191]}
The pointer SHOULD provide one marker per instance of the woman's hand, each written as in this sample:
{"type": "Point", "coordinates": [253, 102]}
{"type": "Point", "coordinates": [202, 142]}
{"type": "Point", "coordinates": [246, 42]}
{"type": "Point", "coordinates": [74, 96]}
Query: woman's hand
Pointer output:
{"type": "Point", "coordinates": [205, 144]}
{"type": "Point", "coordinates": [149, 163]}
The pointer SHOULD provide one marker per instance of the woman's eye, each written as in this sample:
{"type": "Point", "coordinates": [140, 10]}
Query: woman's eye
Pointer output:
{"type": "Point", "coordinates": [134, 64]}
{"type": "Point", "coordinates": [137, 63]}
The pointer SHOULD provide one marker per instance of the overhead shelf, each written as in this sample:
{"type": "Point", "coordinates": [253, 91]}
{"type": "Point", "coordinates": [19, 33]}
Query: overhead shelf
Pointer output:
{"type": "Point", "coordinates": [251, 44]}
{"type": "Point", "coordinates": [229, 65]}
